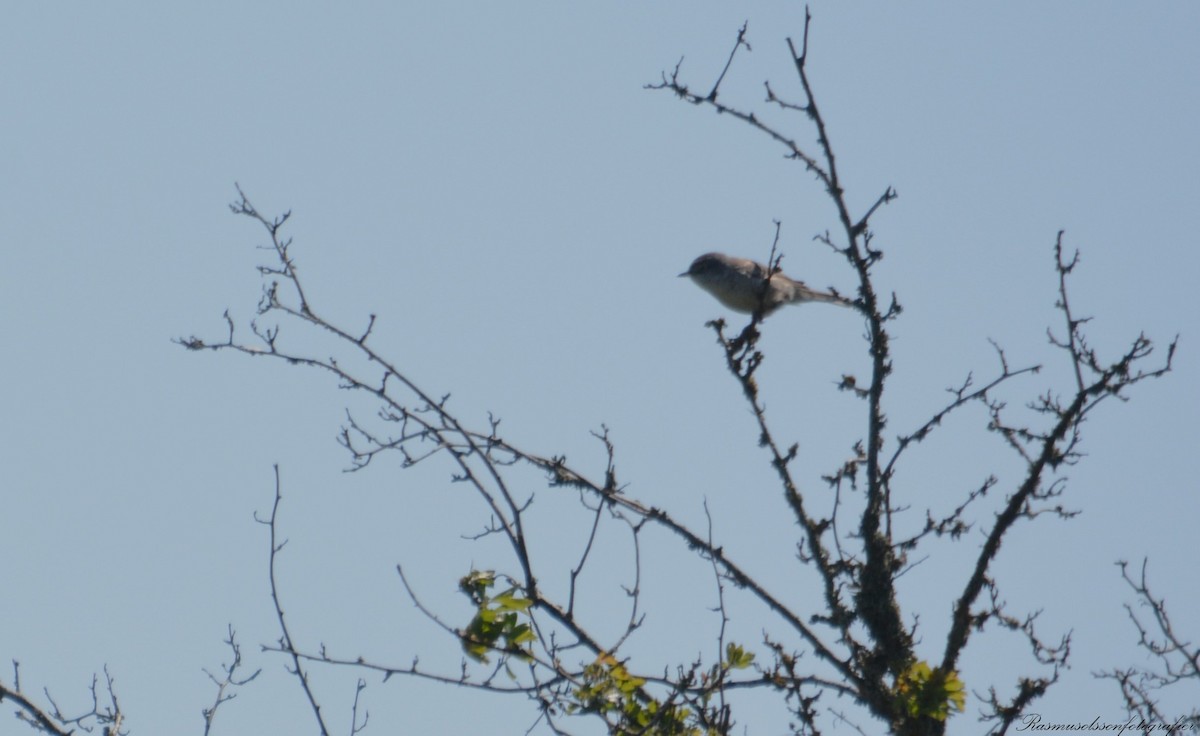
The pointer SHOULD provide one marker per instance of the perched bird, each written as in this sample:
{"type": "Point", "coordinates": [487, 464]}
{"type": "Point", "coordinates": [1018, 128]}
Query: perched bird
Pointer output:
{"type": "Point", "coordinates": [741, 284]}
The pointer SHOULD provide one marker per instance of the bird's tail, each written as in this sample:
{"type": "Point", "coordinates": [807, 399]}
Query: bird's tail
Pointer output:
{"type": "Point", "coordinates": [805, 294]}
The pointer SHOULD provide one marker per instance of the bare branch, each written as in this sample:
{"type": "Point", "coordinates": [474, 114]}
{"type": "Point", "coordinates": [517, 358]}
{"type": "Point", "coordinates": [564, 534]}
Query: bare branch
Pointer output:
{"type": "Point", "coordinates": [27, 710]}
{"type": "Point", "coordinates": [228, 681]}
{"type": "Point", "coordinates": [286, 643]}
{"type": "Point", "coordinates": [1177, 662]}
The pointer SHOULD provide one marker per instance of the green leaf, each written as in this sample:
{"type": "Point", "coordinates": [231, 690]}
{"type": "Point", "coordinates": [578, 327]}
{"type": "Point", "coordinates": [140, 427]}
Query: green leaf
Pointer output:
{"type": "Point", "coordinates": [737, 658]}
{"type": "Point", "coordinates": [956, 691]}
{"type": "Point", "coordinates": [477, 652]}
{"type": "Point", "coordinates": [521, 634]}
{"type": "Point", "coordinates": [925, 691]}
{"type": "Point", "coordinates": [508, 602]}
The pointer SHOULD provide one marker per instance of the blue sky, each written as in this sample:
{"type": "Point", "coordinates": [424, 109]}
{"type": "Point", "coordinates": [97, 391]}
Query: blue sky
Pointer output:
{"type": "Point", "coordinates": [494, 182]}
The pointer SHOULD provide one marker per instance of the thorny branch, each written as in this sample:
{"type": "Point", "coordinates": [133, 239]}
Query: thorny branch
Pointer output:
{"type": "Point", "coordinates": [858, 643]}
{"type": "Point", "coordinates": [286, 642]}
{"type": "Point", "coordinates": [880, 557]}
{"type": "Point", "coordinates": [227, 682]}
{"type": "Point", "coordinates": [426, 428]}
{"type": "Point", "coordinates": [1177, 661]}
{"type": "Point", "coordinates": [875, 601]}
{"type": "Point", "coordinates": [105, 711]}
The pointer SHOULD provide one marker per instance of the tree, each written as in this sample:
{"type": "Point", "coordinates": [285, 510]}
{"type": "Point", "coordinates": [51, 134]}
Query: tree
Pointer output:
{"type": "Point", "coordinates": [855, 646]}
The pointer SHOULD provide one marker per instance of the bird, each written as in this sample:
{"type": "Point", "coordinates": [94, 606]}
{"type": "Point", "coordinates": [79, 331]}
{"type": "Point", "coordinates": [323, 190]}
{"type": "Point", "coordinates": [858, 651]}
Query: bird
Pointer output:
{"type": "Point", "coordinates": [742, 285]}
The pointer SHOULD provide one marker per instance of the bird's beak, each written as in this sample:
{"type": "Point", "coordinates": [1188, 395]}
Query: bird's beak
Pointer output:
{"type": "Point", "coordinates": [685, 273]}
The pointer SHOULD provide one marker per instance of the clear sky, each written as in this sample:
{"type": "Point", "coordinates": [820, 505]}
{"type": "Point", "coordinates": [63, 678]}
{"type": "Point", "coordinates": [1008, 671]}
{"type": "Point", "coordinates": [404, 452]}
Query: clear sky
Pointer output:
{"type": "Point", "coordinates": [494, 182]}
